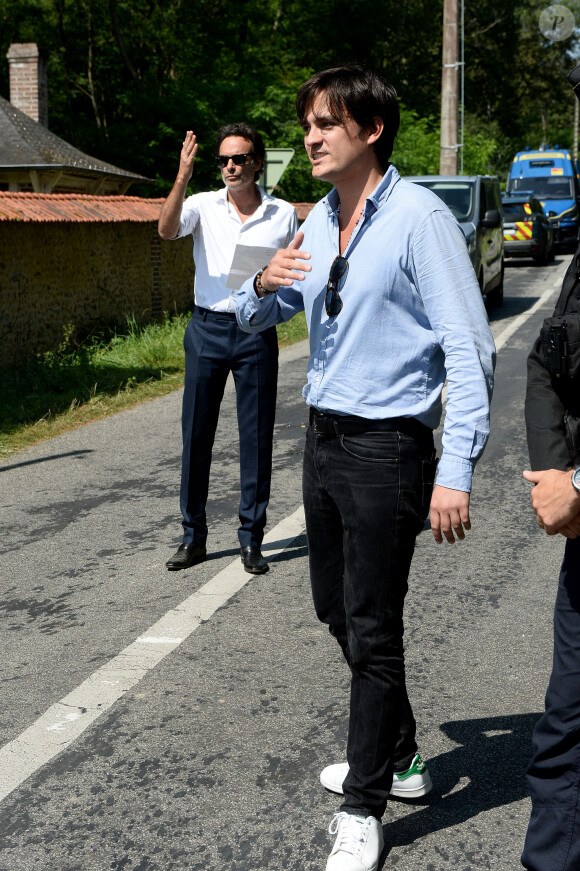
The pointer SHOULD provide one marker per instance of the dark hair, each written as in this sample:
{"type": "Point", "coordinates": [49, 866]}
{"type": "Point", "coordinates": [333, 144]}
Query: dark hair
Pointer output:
{"type": "Point", "coordinates": [360, 93]}
{"type": "Point", "coordinates": [245, 132]}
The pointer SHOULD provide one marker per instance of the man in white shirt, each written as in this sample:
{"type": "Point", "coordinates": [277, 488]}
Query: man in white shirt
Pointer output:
{"type": "Point", "coordinates": [241, 214]}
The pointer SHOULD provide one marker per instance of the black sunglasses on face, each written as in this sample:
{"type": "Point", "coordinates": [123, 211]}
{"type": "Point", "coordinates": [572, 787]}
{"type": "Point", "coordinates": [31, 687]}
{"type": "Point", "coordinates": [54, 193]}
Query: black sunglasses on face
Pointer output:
{"type": "Point", "coordinates": [336, 279]}
{"type": "Point", "coordinates": [238, 159]}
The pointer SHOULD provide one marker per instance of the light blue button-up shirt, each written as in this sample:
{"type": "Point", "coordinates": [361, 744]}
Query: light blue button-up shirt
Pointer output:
{"type": "Point", "coordinates": [412, 315]}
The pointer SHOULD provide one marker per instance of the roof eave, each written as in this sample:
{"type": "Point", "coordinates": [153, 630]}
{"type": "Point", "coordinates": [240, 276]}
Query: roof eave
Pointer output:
{"type": "Point", "coordinates": [76, 170]}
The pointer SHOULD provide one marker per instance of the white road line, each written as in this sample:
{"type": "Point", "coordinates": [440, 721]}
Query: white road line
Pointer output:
{"type": "Point", "coordinates": [521, 319]}
{"type": "Point", "coordinates": [66, 720]}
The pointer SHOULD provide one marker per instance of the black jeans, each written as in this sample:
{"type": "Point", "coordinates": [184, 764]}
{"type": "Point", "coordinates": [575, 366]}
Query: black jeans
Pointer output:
{"type": "Point", "coordinates": [553, 836]}
{"type": "Point", "coordinates": [366, 498]}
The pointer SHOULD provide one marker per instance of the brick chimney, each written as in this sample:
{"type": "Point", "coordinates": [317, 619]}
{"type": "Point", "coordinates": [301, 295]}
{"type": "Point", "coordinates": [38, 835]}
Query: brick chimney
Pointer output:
{"type": "Point", "coordinates": [28, 84]}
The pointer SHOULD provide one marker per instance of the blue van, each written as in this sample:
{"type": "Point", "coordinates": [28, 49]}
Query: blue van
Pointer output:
{"type": "Point", "coordinates": [552, 177]}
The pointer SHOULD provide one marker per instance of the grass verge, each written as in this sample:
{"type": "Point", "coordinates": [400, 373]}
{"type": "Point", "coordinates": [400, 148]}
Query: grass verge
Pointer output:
{"type": "Point", "coordinates": [107, 373]}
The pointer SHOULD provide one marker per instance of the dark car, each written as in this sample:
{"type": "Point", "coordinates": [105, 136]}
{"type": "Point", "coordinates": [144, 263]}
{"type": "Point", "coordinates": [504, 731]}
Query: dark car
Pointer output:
{"type": "Point", "coordinates": [527, 231]}
{"type": "Point", "coordinates": [475, 201]}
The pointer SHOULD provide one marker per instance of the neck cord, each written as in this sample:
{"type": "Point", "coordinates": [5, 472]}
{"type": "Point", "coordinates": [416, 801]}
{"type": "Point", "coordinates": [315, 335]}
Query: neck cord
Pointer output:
{"type": "Point", "coordinates": [362, 211]}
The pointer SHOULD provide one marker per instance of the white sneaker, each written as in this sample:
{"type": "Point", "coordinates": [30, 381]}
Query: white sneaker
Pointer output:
{"type": "Point", "coordinates": [359, 843]}
{"type": "Point", "coordinates": [412, 783]}
{"type": "Point", "coordinates": [333, 776]}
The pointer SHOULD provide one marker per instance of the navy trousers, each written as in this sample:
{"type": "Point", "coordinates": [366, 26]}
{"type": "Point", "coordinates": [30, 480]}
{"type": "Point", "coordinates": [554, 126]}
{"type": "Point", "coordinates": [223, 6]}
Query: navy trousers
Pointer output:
{"type": "Point", "coordinates": [553, 836]}
{"type": "Point", "coordinates": [215, 346]}
{"type": "Point", "coordinates": [365, 500]}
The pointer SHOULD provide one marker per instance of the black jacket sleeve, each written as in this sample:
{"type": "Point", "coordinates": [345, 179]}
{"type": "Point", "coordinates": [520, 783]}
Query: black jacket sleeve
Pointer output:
{"type": "Point", "coordinates": [544, 409]}
{"type": "Point", "coordinates": [550, 403]}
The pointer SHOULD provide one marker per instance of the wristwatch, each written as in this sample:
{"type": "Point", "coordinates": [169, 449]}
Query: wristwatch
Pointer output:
{"type": "Point", "coordinates": [576, 479]}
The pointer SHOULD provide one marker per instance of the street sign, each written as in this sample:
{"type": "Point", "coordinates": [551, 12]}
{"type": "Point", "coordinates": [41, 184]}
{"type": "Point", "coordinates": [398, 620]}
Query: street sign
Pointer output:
{"type": "Point", "coordinates": [277, 159]}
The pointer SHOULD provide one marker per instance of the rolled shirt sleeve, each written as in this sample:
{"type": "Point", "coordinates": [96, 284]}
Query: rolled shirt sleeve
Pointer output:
{"type": "Point", "coordinates": [255, 314]}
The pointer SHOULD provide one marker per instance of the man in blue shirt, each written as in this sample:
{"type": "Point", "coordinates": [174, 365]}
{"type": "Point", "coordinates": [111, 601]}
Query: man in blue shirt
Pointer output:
{"type": "Point", "coordinates": [393, 308]}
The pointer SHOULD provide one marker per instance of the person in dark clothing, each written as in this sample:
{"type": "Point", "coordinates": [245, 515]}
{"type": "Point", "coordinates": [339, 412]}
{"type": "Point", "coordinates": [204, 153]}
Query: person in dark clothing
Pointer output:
{"type": "Point", "coordinates": [553, 425]}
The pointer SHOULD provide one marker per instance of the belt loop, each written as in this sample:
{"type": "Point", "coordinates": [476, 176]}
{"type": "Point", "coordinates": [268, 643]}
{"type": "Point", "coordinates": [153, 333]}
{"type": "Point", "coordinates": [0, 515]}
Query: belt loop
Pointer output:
{"type": "Point", "coordinates": [204, 315]}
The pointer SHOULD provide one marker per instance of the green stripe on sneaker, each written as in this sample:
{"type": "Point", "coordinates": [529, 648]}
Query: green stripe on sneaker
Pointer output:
{"type": "Point", "coordinates": [417, 767]}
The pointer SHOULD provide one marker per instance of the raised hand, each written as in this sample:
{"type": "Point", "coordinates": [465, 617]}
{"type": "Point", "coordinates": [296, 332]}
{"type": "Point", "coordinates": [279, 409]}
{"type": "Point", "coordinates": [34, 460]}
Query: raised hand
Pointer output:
{"type": "Point", "coordinates": [187, 157]}
{"type": "Point", "coordinates": [171, 210]}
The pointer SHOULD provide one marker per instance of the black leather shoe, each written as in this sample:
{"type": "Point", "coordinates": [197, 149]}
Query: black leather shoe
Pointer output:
{"type": "Point", "coordinates": [253, 560]}
{"type": "Point", "coordinates": [187, 555]}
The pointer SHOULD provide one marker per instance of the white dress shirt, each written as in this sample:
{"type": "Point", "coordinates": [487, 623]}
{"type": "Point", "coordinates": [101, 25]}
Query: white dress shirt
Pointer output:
{"type": "Point", "coordinates": [217, 229]}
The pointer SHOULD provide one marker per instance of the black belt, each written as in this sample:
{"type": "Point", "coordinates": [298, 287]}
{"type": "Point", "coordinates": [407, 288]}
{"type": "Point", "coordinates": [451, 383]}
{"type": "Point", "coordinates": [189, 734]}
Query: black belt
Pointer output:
{"type": "Point", "coordinates": [212, 313]}
{"type": "Point", "coordinates": [334, 425]}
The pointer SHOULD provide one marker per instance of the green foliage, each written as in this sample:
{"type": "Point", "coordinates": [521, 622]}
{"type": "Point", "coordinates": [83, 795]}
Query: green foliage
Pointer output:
{"type": "Point", "coordinates": [128, 77]}
{"type": "Point", "coordinates": [280, 128]}
{"type": "Point", "coordinates": [478, 153]}
{"type": "Point", "coordinates": [102, 364]}
{"type": "Point", "coordinates": [416, 149]}
{"type": "Point", "coordinates": [292, 331]}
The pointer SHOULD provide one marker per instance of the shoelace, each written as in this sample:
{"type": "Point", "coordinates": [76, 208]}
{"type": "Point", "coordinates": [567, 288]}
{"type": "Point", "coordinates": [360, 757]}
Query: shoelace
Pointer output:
{"type": "Point", "coordinates": [350, 831]}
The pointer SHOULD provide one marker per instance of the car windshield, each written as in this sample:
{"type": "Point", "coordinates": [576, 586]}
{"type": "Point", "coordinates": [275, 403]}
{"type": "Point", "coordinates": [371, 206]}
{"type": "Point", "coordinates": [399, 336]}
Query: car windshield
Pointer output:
{"type": "Point", "coordinates": [545, 187]}
{"type": "Point", "coordinates": [457, 195]}
{"type": "Point", "coordinates": [515, 212]}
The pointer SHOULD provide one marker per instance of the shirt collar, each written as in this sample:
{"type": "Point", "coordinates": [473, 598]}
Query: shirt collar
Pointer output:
{"type": "Point", "coordinates": [380, 194]}
{"type": "Point", "coordinates": [267, 201]}
{"type": "Point", "coordinates": [265, 197]}
{"type": "Point", "coordinates": [385, 187]}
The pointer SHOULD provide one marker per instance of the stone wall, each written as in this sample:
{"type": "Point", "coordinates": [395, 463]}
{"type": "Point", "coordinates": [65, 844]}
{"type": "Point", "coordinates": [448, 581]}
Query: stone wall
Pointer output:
{"type": "Point", "coordinates": [85, 274]}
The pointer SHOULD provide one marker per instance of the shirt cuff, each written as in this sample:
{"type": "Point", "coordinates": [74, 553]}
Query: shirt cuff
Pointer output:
{"type": "Point", "coordinates": [249, 304]}
{"type": "Point", "coordinates": [253, 303]}
{"type": "Point", "coordinates": [455, 473]}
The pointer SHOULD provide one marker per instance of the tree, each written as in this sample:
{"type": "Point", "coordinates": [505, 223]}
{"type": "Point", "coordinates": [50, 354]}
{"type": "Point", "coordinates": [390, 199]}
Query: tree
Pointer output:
{"type": "Point", "coordinates": [128, 77]}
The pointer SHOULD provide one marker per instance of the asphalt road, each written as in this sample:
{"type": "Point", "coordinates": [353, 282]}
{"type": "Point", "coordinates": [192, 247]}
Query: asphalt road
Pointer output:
{"type": "Point", "coordinates": [154, 720]}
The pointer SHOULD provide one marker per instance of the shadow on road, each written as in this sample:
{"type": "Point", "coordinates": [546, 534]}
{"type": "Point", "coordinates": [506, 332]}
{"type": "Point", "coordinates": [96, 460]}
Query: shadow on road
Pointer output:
{"type": "Point", "coordinates": [294, 553]}
{"type": "Point", "coordinates": [512, 306]}
{"type": "Point", "coordinates": [45, 459]}
{"type": "Point", "coordinates": [295, 550]}
{"type": "Point", "coordinates": [485, 772]}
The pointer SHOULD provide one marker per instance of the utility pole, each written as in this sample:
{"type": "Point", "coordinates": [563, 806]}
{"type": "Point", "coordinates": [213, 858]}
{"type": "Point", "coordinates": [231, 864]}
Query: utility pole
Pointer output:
{"type": "Point", "coordinates": [448, 152]}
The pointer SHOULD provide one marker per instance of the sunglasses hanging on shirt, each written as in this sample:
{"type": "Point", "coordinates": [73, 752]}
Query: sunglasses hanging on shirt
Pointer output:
{"type": "Point", "coordinates": [336, 279]}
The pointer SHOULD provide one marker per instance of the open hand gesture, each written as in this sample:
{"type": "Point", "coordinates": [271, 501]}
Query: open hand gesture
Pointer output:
{"type": "Point", "coordinates": [187, 157]}
{"type": "Point", "coordinates": [287, 265]}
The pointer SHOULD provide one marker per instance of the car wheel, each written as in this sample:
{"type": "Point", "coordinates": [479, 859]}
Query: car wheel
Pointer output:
{"type": "Point", "coordinates": [541, 259]}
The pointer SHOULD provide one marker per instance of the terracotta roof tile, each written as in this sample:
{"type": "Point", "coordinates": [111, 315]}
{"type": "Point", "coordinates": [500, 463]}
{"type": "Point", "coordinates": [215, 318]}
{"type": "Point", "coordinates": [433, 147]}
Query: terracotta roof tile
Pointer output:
{"type": "Point", "coordinates": [303, 210]}
{"type": "Point", "coordinates": [76, 207]}
{"type": "Point", "coordinates": [41, 208]}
